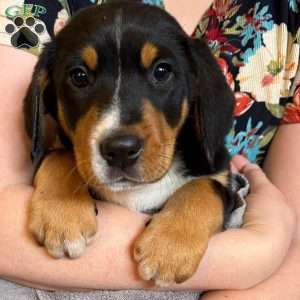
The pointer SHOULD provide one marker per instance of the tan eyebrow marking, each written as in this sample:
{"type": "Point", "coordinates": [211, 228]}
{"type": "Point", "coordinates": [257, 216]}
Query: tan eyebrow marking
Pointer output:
{"type": "Point", "coordinates": [90, 57]}
{"type": "Point", "coordinates": [148, 54]}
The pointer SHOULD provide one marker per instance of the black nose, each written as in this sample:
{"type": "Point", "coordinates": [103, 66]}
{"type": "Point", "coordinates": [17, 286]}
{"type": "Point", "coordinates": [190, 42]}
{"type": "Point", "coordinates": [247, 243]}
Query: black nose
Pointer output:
{"type": "Point", "coordinates": [121, 151]}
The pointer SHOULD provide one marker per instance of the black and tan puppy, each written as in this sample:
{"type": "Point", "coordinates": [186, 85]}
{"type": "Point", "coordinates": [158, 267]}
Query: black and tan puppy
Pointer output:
{"type": "Point", "coordinates": [142, 111]}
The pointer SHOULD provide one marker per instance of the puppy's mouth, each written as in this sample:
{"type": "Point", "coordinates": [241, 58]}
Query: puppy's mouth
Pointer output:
{"type": "Point", "coordinates": [118, 181]}
{"type": "Point", "coordinates": [125, 163]}
{"type": "Point", "coordinates": [123, 184]}
{"type": "Point", "coordinates": [117, 185]}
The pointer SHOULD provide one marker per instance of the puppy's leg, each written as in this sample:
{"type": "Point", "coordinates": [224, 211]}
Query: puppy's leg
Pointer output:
{"type": "Point", "coordinates": [62, 214]}
{"type": "Point", "coordinates": [172, 245]}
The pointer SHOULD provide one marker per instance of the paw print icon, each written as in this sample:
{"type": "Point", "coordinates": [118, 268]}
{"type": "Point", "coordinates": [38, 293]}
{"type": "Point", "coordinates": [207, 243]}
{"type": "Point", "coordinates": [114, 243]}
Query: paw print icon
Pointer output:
{"type": "Point", "coordinates": [26, 32]}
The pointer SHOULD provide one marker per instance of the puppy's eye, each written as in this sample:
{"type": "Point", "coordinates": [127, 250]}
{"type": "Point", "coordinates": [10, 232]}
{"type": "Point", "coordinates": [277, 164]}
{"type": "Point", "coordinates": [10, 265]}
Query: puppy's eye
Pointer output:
{"type": "Point", "coordinates": [162, 72]}
{"type": "Point", "coordinates": [79, 77]}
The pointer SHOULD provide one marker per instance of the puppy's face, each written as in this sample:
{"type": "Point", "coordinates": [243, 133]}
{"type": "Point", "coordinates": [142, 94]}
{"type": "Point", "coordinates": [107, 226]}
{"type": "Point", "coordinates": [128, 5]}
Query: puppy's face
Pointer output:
{"type": "Point", "coordinates": [121, 80]}
{"type": "Point", "coordinates": [122, 95]}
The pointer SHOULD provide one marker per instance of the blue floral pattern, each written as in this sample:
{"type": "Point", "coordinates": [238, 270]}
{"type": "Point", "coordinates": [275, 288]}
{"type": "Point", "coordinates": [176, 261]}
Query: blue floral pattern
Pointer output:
{"type": "Point", "coordinates": [294, 5]}
{"type": "Point", "coordinates": [246, 142]}
{"type": "Point", "coordinates": [254, 27]}
{"type": "Point", "coordinates": [154, 2]}
{"type": "Point", "coordinates": [258, 49]}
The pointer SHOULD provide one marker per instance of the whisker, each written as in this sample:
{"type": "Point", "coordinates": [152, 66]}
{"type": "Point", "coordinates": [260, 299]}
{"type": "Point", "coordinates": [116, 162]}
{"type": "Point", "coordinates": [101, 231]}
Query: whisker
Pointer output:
{"type": "Point", "coordinates": [83, 185]}
{"type": "Point", "coordinates": [74, 168]}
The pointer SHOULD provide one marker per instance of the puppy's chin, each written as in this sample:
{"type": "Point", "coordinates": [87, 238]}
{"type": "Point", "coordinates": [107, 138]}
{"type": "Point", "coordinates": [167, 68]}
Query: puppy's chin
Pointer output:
{"type": "Point", "coordinates": [111, 180]}
{"type": "Point", "coordinates": [115, 179]}
{"type": "Point", "coordinates": [123, 185]}
{"type": "Point", "coordinates": [105, 191]}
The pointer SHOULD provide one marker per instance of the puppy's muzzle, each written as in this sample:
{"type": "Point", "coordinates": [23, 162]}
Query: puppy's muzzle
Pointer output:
{"type": "Point", "coordinates": [121, 151]}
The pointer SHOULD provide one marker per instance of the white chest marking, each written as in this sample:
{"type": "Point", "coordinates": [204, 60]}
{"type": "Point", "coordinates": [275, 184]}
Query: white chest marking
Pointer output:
{"type": "Point", "coordinates": [151, 196]}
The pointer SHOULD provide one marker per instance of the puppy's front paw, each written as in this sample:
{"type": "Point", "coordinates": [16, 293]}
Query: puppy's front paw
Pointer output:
{"type": "Point", "coordinates": [64, 227]}
{"type": "Point", "coordinates": [169, 250]}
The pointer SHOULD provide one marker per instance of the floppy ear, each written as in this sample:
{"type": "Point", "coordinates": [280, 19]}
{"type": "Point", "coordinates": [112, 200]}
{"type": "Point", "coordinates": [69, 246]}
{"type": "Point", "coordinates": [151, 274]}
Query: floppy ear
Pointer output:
{"type": "Point", "coordinates": [39, 100]}
{"type": "Point", "coordinates": [212, 103]}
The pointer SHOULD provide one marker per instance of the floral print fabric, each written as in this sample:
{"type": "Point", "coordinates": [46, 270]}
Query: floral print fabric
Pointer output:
{"type": "Point", "coordinates": [257, 45]}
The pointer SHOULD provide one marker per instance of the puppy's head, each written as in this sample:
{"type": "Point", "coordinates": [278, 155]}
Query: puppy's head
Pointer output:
{"type": "Point", "coordinates": [121, 80]}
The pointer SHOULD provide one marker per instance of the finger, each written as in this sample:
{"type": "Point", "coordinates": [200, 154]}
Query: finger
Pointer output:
{"type": "Point", "coordinates": [255, 175]}
{"type": "Point", "coordinates": [239, 162]}
{"type": "Point", "coordinates": [233, 168]}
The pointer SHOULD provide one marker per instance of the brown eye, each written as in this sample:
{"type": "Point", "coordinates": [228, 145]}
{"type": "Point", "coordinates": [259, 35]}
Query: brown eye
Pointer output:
{"type": "Point", "coordinates": [79, 77]}
{"type": "Point", "coordinates": [162, 72]}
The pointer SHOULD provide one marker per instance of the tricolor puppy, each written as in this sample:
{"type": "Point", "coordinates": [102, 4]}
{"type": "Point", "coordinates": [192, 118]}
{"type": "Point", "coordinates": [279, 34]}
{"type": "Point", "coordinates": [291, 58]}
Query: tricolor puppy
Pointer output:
{"type": "Point", "coordinates": [142, 111]}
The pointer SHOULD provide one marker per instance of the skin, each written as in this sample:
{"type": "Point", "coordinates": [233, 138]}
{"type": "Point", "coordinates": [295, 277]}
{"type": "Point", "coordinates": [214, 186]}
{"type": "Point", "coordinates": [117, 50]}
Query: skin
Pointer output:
{"type": "Point", "coordinates": [269, 227]}
{"type": "Point", "coordinates": [282, 159]}
{"type": "Point", "coordinates": [119, 227]}
{"type": "Point", "coordinates": [186, 16]}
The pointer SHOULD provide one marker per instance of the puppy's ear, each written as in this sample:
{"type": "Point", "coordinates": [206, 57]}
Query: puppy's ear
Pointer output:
{"type": "Point", "coordinates": [212, 103]}
{"type": "Point", "coordinates": [39, 100]}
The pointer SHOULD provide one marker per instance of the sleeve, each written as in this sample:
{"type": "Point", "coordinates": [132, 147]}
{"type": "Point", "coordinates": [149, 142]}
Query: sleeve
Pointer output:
{"type": "Point", "coordinates": [29, 24]}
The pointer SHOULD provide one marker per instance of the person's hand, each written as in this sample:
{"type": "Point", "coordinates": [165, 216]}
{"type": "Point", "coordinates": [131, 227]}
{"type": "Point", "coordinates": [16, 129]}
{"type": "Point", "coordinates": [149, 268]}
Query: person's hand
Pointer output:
{"type": "Point", "coordinates": [228, 262]}
{"type": "Point", "coordinates": [262, 191]}
{"type": "Point", "coordinates": [262, 194]}
{"type": "Point", "coordinates": [252, 253]}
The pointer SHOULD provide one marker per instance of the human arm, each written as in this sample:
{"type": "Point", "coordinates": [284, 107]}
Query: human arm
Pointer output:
{"type": "Point", "coordinates": [282, 166]}
{"type": "Point", "coordinates": [187, 13]}
{"type": "Point", "coordinates": [109, 258]}
{"type": "Point", "coordinates": [16, 69]}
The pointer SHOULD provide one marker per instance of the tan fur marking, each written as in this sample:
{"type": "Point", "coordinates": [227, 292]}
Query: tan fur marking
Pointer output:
{"type": "Point", "coordinates": [159, 140]}
{"type": "Point", "coordinates": [63, 122]}
{"type": "Point", "coordinates": [61, 212]}
{"type": "Point", "coordinates": [184, 113]}
{"type": "Point", "coordinates": [148, 54]}
{"type": "Point", "coordinates": [171, 247]}
{"type": "Point", "coordinates": [81, 142]}
{"type": "Point", "coordinates": [90, 57]}
{"type": "Point", "coordinates": [222, 177]}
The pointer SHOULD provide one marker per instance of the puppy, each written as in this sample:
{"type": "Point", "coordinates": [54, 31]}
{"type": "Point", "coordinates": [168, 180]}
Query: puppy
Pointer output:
{"type": "Point", "coordinates": [142, 111]}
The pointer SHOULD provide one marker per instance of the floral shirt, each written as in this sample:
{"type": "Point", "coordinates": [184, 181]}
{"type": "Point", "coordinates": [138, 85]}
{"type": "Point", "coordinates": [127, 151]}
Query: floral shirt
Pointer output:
{"type": "Point", "coordinates": [255, 42]}
{"type": "Point", "coordinates": [257, 46]}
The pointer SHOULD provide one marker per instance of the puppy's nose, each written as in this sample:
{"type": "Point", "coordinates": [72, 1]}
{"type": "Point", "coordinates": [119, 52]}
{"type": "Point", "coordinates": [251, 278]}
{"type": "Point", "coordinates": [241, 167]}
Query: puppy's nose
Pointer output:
{"type": "Point", "coordinates": [121, 151]}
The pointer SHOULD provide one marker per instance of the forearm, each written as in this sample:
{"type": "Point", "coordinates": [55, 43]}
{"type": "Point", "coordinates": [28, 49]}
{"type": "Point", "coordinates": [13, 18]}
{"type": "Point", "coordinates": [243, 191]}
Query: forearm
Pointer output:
{"type": "Point", "coordinates": [14, 168]}
{"type": "Point", "coordinates": [108, 262]}
{"type": "Point", "coordinates": [188, 13]}
{"type": "Point", "coordinates": [282, 166]}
